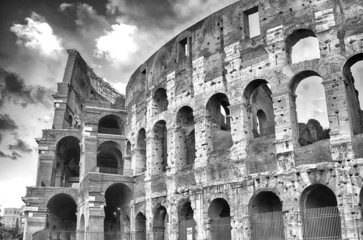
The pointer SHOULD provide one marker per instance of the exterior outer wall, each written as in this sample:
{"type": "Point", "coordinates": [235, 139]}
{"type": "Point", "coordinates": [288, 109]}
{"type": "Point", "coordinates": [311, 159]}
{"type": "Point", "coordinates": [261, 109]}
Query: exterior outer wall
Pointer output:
{"type": "Point", "coordinates": [226, 174]}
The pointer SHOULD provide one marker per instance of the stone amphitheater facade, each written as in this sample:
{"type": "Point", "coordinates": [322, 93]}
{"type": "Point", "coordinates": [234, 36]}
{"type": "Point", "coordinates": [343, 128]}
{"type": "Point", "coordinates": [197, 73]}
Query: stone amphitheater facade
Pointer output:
{"type": "Point", "coordinates": [206, 142]}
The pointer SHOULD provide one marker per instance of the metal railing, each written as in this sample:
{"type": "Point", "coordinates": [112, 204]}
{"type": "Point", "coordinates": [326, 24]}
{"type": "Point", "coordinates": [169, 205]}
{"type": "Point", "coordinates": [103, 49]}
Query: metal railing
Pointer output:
{"type": "Point", "coordinates": [267, 225]}
{"type": "Point", "coordinates": [321, 223]}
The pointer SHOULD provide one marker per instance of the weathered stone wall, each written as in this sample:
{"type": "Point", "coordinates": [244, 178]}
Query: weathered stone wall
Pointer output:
{"type": "Point", "coordinates": [224, 59]}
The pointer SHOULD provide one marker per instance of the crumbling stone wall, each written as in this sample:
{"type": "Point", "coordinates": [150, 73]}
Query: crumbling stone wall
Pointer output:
{"type": "Point", "coordinates": [223, 59]}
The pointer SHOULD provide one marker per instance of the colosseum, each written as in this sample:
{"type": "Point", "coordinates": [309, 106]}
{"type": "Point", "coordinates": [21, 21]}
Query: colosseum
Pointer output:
{"type": "Point", "coordinates": [206, 143]}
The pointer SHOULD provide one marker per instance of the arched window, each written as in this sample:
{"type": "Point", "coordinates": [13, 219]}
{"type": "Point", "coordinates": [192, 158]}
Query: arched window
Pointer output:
{"type": "Point", "coordinates": [353, 74]}
{"type": "Point", "coordinates": [186, 222]}
{"type": "Point", "coordinates": [160, 224]}
{"type": "Point", "coordinates": [160, 147]}
{"type": "Point", "coordinates": [140, 227]}
{"type": "Point", "coordinates": [66, 168]}
{"type": "Point", "coordinates": [140, 153]}
{"type": "Point", "coordinates": [219, 121]}
{"type": "Point", "coordinates": [128, 148]}
{"type": "Point", "coordinates": [257, 97]}
{"type": "Point", "coordinates": [109, 158]}
{"type": "Point", "coordinates": [220, 217]}
{"type": "Point", "coordinates": [62, 216]}
{"type": "Point", "coordinates": [311, 110]}
{"type": "Point", "coordinates": [266, 216]}
{"type": "Point", "coordinates": [117, 196]}
{"type": "Point", "coordinates": [302, 45]}
{"type": "Point", "coordinates": [320, 215]}
{"type": "Point", "coordinates": [185, 143]}
{"type": "Point", "coordinates": [160, 101]}
{"type": "Point", "coordinates": [111, 124]}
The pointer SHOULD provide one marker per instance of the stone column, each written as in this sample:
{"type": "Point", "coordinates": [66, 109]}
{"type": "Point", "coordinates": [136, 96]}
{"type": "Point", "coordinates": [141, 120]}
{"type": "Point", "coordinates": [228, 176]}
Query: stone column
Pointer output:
{"type": "Point", "coordinates": [95, 230]}
{"type": "Point", "coordinates": [89, 158]}
{"type": "Point", "coordinates": [197, 205]}
{"type": "Point", "coordinates": [239, 130]}
{"type": "Point", "coordinates": [286, 129]}
{"type": "Point", "coordinates": [45, 165]}
{"type": "Point", "coordinates": [338, 114]}
{"type": "Point", "coordinates": [35, 221]}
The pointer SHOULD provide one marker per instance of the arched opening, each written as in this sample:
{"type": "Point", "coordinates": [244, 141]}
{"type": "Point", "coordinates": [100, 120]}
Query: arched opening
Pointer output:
{"type": "Point", "coordinates": [111, 124]}
{"type": "Point", "coordinates": [266, 216]}
{"type": "Point", "coordinates": [160, 224]}
{"type": "Point", "coordinates": [140, 227]}
{"type": "Point", "coordinates": [185, 137]}
{"type": "Point", "coordinates": [61, 217]}
{"type": "Point", "coordinates": [260, 107]}
{"type": "Point", "coordinates": [117, 196]}
{"type": "Point", "coordinates": [109, 158]}
{"type": "Point", "coordinates": [311, 110]}
{"type": "Point", "coordinates": [128, 148]}
{"type": "Point", "coordinates": [302, 45]}
{"type": "Point", "coordinates": [70, 121]}
{"type": "Point", "coordinates": [320, 218]}
{"type": "Point", "coordinates": [353, 74]}
{"type": "Point", "coordinates": [186, 222]}
{"type": "Point", "coordinates": [160, 101]}
{"type": "Point", "coordinates": [218, 120]}
{"type": "Point", "coordinates": [160, 147]}
{"type": "Point", "coordinates": [140, 153]}
{"type": "Point", "coordinates": [220, 217]}
{"type": "Point", "coordinates": [66, 167]}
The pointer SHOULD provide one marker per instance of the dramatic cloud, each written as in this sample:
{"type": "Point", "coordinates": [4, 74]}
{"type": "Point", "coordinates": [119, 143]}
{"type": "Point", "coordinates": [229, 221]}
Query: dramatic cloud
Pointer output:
{"type": "Point", "coordinates": [15, 89]}
{"type": "Point", "coordinates": [20, 145]}
{"type": "Point", "coordinates": [13, 155]}
{"type": "Point", "coordinates": [38, 35]}
{"type": "Point", "coordinates": [7, 124]}
{"type": "Point", "coordinates": [118, 44]}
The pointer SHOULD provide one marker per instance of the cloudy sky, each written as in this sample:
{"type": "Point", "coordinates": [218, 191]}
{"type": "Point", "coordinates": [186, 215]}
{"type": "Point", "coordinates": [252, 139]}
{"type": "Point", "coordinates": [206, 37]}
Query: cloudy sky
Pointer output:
{"type": "Point", "coordinates": [113, 36]}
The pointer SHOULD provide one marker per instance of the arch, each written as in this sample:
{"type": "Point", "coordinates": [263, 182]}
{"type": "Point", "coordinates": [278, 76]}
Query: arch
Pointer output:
{"type": "Point", "coordinates": [160, 101]}
{"type": "Point", "coordinates": [185, 136]}
{"type": "Point", "coordinates": [305, 37]}
{"type": "Point", "coordinates": [140, 158]}
{"type": "Point", "coordinates": [109, 158]}
{"type": "Point", "coordinates": [128, 148]}
{"type": "Point", "coordinates": [160, 223]}
{"type": "Point", "coordinates": [186, 221]}
{"type": "Point", "coordinates": [266, 216]}
{"type": "Point", "coordinates": [219, 214]}
{"type": "Point", "coordinates": [160, 147]}
{"type": "Point", "coordinates": [320, 213]}
{"type": "Point", "coordinates": [111, 124]}
{"type": "Point", "coordinates": [117, 196]}
{"type": "Point", "coordinates": [218, 122]}
{"type": "Point", "coordinates": [140, 227]}
{"type": "Point", "coordinates": [66, 165]}
{"type": "Point", "coordinates": [354, 93]}
{"type": "Point", "coordinates": [61, 216]}
{"type": "Point", "coordinates": [310, 109]}
{"type": "Point", "coordinates": [258, 97]}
